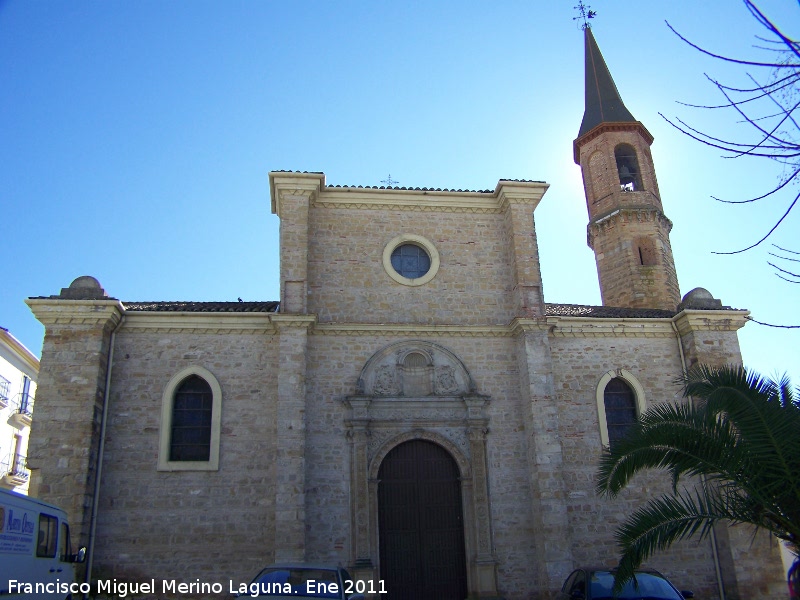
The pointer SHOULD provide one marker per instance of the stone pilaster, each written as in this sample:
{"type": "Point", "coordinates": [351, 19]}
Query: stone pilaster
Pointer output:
{"type": "Point", "coordinates": [358, 433]}
{"type": "Point", "coordinates": [519, 200]}
{"type": "Point", "coordinates": [708, 336]}
{"type": "Point", "coordinates": [544, 453]}
{"type": "Point", "coordinates": [485, 561]}
{"type": "Point", "coordinates": [292, 195]}
{"type": "Point", "coordinates": [65, 433]}
{"type": "Point", "coordinates": [290, 510]}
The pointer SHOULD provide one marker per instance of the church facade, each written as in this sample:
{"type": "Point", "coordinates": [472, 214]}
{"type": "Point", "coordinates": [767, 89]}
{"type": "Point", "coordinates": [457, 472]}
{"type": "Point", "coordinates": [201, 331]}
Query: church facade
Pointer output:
{"type": "Point", "coordinates": [411, 408]}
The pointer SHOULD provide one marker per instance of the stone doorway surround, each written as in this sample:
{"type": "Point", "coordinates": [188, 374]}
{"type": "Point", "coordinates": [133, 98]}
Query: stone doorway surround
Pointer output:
{"type": "Point", "coordinates": [443, 407]}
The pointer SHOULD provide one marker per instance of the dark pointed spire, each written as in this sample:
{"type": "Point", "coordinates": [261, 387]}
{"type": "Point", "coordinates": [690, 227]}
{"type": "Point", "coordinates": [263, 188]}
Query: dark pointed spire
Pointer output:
{"type": "Point", "coordinates": [603, 102]}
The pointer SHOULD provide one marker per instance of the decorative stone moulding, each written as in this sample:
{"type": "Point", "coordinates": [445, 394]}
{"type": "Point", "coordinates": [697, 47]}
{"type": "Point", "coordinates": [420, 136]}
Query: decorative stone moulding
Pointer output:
{"type": "Point", "coordinates": [429, 200]}
{"type": "Point", "coordinates": [419, 390]}
{"type": "Point", "coordinates": [416, 240]}
{"type": "Point", "coordinates": [84, 287]}
{"type": "Point", "coordinates": [414, 369]}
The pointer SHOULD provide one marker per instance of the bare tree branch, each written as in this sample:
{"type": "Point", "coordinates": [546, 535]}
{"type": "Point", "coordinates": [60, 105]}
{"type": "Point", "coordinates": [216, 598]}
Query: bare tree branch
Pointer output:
{"type": "Point", "coordinates": [769, 233]}
{"type": "Point", "coordinates": [772, 324]}
{"type": "Point", "coordinates": [725, 58]}
{"type": "Point", "coordinates": [768, 109]}
{"type": "Point", "coordinates": [783, 270]}
{"type": "Point", "coordinates": [785, 250]}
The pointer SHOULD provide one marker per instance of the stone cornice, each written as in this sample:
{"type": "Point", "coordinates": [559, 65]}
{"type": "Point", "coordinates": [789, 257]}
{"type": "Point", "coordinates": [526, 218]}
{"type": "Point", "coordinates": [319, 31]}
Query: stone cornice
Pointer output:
{"type": "Point", "coordinates": [282, 184]}
{"type": "Point", "coordinates": [411, 330]}
{"type": "Point", "coordinates": [286, 321]}
{"type": "Point", "coordinates": [626, 214]}
{"type": "Point", "coordinates": [639, 213]}
{"type": "Point", "coordinates": [520, 192]}
{"type": "Point", "coordinates": [58, 311]}
{"type": "Point", "coordinates": [554, 326]}
{"type": "Point", "coordinates": [522, 325]}
{"type": "Point", "coordinates": [688, 320]}
{"type": "Point", "coordinates": [608, 127]}
{"type": "Point", "coordinates": [61, 312]}
{"type": "Point", "coordinates": [192, 322]}
{"type": "Point", "coordinates": [592, 327]}
{"type": "Point", "coordinates": [506, 192]}
{"type": "Point", "coordinates": [214, 323]}
{"type": "Point", "coordinates": [410, 200]}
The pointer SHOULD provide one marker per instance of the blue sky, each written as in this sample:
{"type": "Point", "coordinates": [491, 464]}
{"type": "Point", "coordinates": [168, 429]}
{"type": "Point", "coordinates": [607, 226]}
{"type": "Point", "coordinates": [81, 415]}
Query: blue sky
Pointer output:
{"type": "Point", "coordinates": [136, 137]}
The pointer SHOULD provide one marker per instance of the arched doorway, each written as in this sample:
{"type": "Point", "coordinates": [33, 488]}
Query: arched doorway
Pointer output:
{"type": "Point", "coordinates": [420, 524]}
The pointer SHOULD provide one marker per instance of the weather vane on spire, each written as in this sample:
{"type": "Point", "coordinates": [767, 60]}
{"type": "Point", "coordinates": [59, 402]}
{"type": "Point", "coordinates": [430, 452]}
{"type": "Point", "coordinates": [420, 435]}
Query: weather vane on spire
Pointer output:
{"type": "Point", "coordinates": [585, 13]}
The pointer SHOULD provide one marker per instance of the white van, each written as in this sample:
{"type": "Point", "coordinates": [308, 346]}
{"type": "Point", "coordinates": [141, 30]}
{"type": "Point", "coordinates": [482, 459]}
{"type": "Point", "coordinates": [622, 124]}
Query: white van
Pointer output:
{"type": "Point", "coordinates": [36, 558]}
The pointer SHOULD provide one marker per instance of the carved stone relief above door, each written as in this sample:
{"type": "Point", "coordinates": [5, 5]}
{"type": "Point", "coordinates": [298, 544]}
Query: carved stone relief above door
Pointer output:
{"type": "Point", "coordinates": [414, 369]}
{"type": "Point", "coordinates": [419, 390]}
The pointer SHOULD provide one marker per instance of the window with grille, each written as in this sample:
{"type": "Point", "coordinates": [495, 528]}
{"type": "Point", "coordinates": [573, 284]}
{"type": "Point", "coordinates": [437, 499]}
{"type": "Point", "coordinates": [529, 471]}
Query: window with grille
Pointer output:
{"type": "Point", "coordinates": [191, 416]}
{"type": "Point", "coordinates": [411, 261]}
{"type": "Point", "coordinates": [191, 421]}
{"type": "Point", "coordinates": [620, 405]}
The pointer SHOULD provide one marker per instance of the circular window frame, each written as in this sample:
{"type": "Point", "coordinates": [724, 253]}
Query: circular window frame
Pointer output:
{"type": "Point", "coordinates": [416, 240]}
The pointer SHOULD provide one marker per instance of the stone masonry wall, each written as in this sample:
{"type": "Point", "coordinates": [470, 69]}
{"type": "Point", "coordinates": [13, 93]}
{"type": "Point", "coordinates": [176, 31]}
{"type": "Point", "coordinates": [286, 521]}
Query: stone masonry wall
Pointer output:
{"type": "Point", "coordinates": [752, 561]}
{"type": "Point", "coordinates": [655, 362]}
{"type": "Point", "coordinates": [64, 441]}
{"type": "Point", "coordinates": [617, 218]}
{"type": "Point", "coordinates": [624, 281]}
{"type": "Point", "coordinates": [216, 525]}
{"type": "Point", "coordinates": [579, 364]}
{"type": "Point", "coordinates": [348, 283]}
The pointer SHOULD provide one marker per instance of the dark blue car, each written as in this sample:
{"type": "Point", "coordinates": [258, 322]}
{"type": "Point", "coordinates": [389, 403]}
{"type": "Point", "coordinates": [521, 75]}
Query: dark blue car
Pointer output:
{"type": "Point", "coordinates": [596, 584]}
{"type": "Point", "coordinates": [302, 581]}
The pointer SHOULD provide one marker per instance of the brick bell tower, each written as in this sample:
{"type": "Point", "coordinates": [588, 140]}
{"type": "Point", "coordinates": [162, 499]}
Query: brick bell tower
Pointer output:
{"type": "Point", "coordinates": [627, 230]}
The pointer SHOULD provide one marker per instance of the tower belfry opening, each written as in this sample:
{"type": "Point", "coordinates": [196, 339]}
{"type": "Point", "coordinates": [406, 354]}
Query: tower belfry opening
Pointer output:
{"type": "Point", "coordinates": [627, 168]}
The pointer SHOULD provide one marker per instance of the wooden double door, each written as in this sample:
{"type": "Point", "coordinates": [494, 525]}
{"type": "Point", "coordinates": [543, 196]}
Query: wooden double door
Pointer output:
{"type": "Point", "coordinates": [421, 524]}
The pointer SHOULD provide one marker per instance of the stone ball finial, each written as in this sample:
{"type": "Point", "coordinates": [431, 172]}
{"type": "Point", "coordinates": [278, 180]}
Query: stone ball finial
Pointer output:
{"type": "Point", "coordinates": [84, 287]}
{"type": "Point", "coordinates": [699, 299]}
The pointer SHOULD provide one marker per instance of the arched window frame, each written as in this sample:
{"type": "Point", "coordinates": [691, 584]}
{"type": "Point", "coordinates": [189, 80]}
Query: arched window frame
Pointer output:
{"type": "Point", "coordinates": [627, 153]}
{"type": "Point", "coordinates": [638, 393]}
{"type": "Point", "coordinates": [167, 402]}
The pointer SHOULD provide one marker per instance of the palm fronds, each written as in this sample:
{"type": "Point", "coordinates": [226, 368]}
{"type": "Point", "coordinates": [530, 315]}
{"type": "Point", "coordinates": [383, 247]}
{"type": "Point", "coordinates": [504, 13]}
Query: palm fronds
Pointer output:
{"type": "Point", "coordinates": [740, 433]}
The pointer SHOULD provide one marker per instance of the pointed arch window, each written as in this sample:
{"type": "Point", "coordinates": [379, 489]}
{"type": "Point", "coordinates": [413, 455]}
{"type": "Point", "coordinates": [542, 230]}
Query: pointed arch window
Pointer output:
{"type": "Point", "coordinates": [620, 404]}
{"type": "Point", "coordinates": [190, 434]}
{"type": "Point", "coordinates": [620, 401]}
{"type": "Point", "coordinates": [190, 422]}
{"type": "Point", "coordinates": [630, 179]}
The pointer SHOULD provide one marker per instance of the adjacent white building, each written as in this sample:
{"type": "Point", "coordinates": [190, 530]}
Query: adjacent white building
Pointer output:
{"type": "Point", "coordinates": [19, 371]}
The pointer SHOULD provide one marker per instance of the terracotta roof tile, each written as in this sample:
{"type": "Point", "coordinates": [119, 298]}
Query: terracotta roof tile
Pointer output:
{"type": "Point", "coordinates": [606, 312]}
{"type": "Point", "coordinates": [205, 307]}
{"type": "Point", "coordinates": [408, 189]}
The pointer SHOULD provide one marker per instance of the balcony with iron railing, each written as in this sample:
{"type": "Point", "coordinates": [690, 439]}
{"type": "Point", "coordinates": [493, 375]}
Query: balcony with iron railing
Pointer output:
{"type": "Point", "coordinates": [23, 410]}
{"type": "Point", "coordinates": [4, 385]}
{"type": "Point", "coordinates": [13, 472]}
